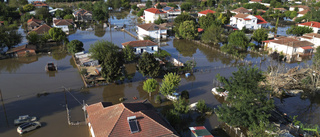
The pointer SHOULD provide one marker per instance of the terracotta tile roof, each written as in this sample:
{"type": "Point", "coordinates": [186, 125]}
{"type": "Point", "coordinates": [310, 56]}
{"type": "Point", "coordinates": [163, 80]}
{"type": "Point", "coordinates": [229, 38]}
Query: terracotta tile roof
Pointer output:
{"type": "Point", "coordinates": [1, 21]}
{"type": "Point", "coordinates": [240, 15]}
{"type": "Point", "coordinates": [39, 3]}
{"type": "Point", "coordinates": [200, 30]}
{"type": "Point", "coordinates": [169, 9]}
{"type": "Point", "coordinates": [32, 24]}
{"type": "Point", "coordinates": [81, 12]}
{"type": "Point", "coordinates": [140, 43]}
{"type": "Point", "coordinates": [306, 47]}
{"type": "Point", "coordinates": [260, 20]}
{"type": "Point", "coordinates": [23, 47]}
{"type": "Point", "coordinates": [280, 9]}
{"type": "Point", "coordinates": [111, 120]}
{"type": "Point", "coordinates": [163, 4]}
{"type": "Point", "coordinates": [207, 11]}
{"type": "Point", "coordinates": [35, 20]}
{"type": "Point", "coordinates": [312, 35]}
{"type": "Point", "coordinates": [301, 6]}
{"type": "Point", "coordinates": [151, 27]}
{"type": "Point", "coordinates": [306, 37]}
{"type": "Point", "coordinates": [42, 29]}
{"type": "Point", "coordinates": [303, 12]}
{"type": "Point", "coordinates": [311, 24]}
{"type": "Point", "coordinates": [241, 10]}
{"type": "Point", "coordinates": [61, 22]}
{"type": "Point", "coordinates": [261, 10]}
{"type": "Point", "coordinates": [292, 42]}
{"type": "Point", "coordinates": [167, 24]}
{"type": "Point", "coordinates": [155, 11]}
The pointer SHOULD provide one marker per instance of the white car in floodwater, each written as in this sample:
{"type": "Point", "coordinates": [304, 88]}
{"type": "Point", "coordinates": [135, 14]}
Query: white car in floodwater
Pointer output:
{"type": "Point", "coordinates": [175, 96]}
{"type": "Point", "coordinates": [24, 119]}
{"type": "Point", "coordinates": [29, 126]}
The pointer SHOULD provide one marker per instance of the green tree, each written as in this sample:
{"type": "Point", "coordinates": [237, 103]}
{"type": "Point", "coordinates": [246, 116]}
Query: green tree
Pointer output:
{"type": "Point", "coordinates": [25, 17]}
{"type": "Point", "coordinates": [60, 13]}
{"type": "Point", "coordinates": [206, 21]}
{"type": "Point", "coordinates": [180, 19]}
{"type": "Point", "coordinates": [150, 85]}
{"type": "Point", "coordinates": [239, 40]}
{"type": "Point", "coordinates": [128, 53]}
{"type": "Point", "coordinates": [28, 7]}
{"type": "Point", "coordinates": [33, 38]}
{"type": "Point", "coordinates": [201, 106]}
{"type": "Point", "coordinates": [125, 3]}
{"type": "Point", "coordinates": [75, 46]}
{"type": "Point", "coordinates": [148, 4]}
{"type": "Point", "coordinates": [170, 83]}
{"type": "Point", "coordinates": [299, 30]}
{"type": "Point", "coordinates": [57, 35]}
{"type": "Point", "coordinates": [43, 14]}
{"type": "Point", "coordinates": [172, 5]}
{"type": "Point", "coordinates": [213, 34]}
{"type": "Point", "coordinates": [111, 67]}
{"type": "Point", "coordinates": [148, 65]}
{"type": "Point", "coordinates": [260, 35]}
{"type": "Point", "coordinates": [249, 105]}
{"type": "Point", "coordinates": [186, 6]}
{"type": "Point", "coordinates": [159, 6]}
{"type": "Point", "coordinates": [100, 49]}
{"type": "Point", "coordinates": [134, 7]}
{"type": "Point", "coordinates": [9, 38]}
{"type": "Point", "coordinates": [140, 13]}
{"type": "Point", "coordinates": [181, 106]}
{"type": "Point", "coordinates": [159, 21]}
{"type": "Point", "coordinates": [188, 30]}
{"type": "Point", "coordinates": [68, 16]}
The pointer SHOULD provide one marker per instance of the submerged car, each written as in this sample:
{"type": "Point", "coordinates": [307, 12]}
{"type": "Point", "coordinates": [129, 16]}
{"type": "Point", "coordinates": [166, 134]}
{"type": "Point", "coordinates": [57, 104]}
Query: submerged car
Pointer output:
{"type": "Point", "coordinates": [29, 126]}
{"type": "Point", "coordinates": [175, 96]}
{"type": "Point", "coordinates": [24, 119]}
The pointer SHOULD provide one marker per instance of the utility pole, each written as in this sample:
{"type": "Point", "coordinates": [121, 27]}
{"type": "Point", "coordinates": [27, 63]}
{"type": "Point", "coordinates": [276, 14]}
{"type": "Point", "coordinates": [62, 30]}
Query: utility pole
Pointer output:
{"type": "Point", "coordinates": [4, 108]}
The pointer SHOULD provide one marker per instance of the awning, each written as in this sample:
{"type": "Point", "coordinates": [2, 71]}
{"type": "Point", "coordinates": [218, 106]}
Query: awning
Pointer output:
{"type": "Point", "coordinates": [306, 47]}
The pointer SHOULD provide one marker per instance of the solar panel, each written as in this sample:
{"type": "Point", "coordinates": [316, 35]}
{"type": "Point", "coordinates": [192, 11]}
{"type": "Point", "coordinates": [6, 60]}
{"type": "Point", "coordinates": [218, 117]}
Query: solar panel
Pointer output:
{"type": "Point", "coordinates": [133, 125]}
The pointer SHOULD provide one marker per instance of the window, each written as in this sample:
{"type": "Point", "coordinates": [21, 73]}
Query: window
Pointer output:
{"type": "Point", "coordinates": [152, 48]}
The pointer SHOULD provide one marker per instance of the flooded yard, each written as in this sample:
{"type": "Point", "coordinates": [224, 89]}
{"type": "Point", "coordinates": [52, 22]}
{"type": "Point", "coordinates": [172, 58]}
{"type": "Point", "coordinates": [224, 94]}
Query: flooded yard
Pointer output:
{"type": "Point", "coordinates": [22, 79]}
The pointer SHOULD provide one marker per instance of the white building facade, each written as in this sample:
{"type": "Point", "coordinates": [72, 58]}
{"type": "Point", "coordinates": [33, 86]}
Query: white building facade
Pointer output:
{"type": "Point", "coordinates": [142, 46]}
{"type": "Point", "coordinates": [152, 30]}
{"type": "Point", "coordinates": [152, 14]}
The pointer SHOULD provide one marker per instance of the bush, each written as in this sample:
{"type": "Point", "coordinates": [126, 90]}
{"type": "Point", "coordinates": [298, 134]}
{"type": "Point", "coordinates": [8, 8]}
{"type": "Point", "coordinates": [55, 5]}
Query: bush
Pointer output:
{"type": "Point", "coordinates": [134, 7]}
{"type": "Point", "coordinates": [162, 54]}
{"type": "Point", "coordinates": [84, 71]}
{"type": "Point", "coordinates": [185, 94]}
{"type": "Point", "coordinates": [158, 99]}
{"type": "Point", "coordinates": [201, 106]}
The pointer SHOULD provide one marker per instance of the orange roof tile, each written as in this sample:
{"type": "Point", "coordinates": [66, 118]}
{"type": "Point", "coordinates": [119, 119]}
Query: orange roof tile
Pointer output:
{"type": "Point", "coordinates": [35, 20]}
{"type": "Point", "coordinates": [260, 20]}
{"type": "Point", "coordinates": [23, 47]}
{"type": "Point", "coordinates": [207, 11]}
{"type": "Point", "coordinates": [111, 120]}
{"type": "Point", "coordinates": [42, 29]}
{"type": "Point", "coordinates": [241, 10]}
{"type": "Point", "coordinates": [60, 22]}
{"type": "Point", "coordinates": [311, 24]}
{"type": "Point", "coordinates": [155, 11]}
{"type": "Point", "coordinates": [151, 26]}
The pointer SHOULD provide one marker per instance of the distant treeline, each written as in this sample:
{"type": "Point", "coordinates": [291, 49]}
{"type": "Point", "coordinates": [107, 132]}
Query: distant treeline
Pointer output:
{"type": "Point", "coordinates": [68, 0]}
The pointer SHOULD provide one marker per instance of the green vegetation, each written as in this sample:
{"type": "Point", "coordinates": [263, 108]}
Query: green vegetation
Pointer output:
{"type": "Point", "coordinates": [201, 106]}
{"type": "Point", "coordinates": [254, 5]}
{"type": "Point", "coordinates": [43, 14]}
{"type": "Point", "coordinates": [100, 11]}
{"type": "Point", "coordinates": [260, 35]}
{"type": "Point", "coordinates": [159, 6]}
{"type": "Point", "coordinates": [112, 66]}
{"type": "Point", "coordinates": [148, 65]}
{"type": "Point", "coordinates": [99, 49]}
{"type": "Point", "coordinates": [9, 37]}
{"type": "Point", "coordinates": [180, 19]}
{"type": "Point", "coordinates": [207, 21]}
{"type": "Point", "coordinates": [188, 30]}
{"type": "Point", "coordinates": [299, 30]}
{"type": "Point", "coordinates": [186, 6]}
{"type": "Point", "coordinates": [159, 20]}
{"type": "Point", "coordinates": [57, 35]}
{"type": "Point", "coordinates": [237, 41]}
{"type": "Point", "coordinates": [185, 94]}
{"type": "Point", "coordinates": [75, 46]}
{"type": "Point", "coordinates": [33, 38]}
{"type": "Point", "coordinates": [214, 34]}
{"type": "Point", "coordinates": [162, 54]}
{"type": "Point", "coordinates": [172, 5]}
{"type": "Point", "coordinates": [158, 99]}
{"type": "Point", "coordinates": [248, 106]}
{"type": "Point", "coordinates": [170, 83]}
{"type": "Point", "coordinates": [128, 53]}
{"type": "Point", "coordinates": [148, 4]}
{"type": "Point", "coordinates": [28, 7]}
{"type": "Point", "coordinates": [134, 7]}
{"type": "Point", "coordinates": [150, 85]}
{"type": "Point", "coordinates": [181, 106]}
{"type": "Point", "coordinates": [140, 13]}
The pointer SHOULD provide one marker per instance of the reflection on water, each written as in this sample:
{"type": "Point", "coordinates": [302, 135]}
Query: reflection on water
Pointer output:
{"type": "Point", "coordinates": [112, 93]}
{"type": "Point", "coordinates": [186, 48]}
{"type": "Point", "coordinates": [99, 31]}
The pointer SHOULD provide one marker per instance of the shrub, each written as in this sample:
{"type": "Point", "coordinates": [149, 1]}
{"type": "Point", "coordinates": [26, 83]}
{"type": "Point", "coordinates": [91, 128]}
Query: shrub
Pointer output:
{"type": "Point", "coordinates": [201, 106]}
{"type": "Point", "coordinates": [185, 94]}
{"type": "Point", "coordinates": [158, 99]}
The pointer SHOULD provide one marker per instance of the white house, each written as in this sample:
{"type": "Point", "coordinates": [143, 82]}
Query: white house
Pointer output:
{"type": "Point", "coordinates": [171, 12]}
{"type": "Point", "coordinates": [312, 24]}
{"type": "Point", "coordinates": [248, 21]}
{"type": "Point", "coordinates": [241, 10]}
{"type": "Point", "coordinates": [205, 12]}
{"type": "Point", "coordinates": [141, 46]}
{"type": "Point", "coordinates": [312, 37]}
{"type": "Point", "coordinates": [62, 23]}
{"type": "Point", "coordinates": [53, 11]}
{"type": "Point", "coordinates": [152, 14]}
{"type": "Point", "coordinates": [153, 30]}
{"type": "Point", "coordinates": [290, 46]}
{"type": "Point", "coordinates": [300, 7]}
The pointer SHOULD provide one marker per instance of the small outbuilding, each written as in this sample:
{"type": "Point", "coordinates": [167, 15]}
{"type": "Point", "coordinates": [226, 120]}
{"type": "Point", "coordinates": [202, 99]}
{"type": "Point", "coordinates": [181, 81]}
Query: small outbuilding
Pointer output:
{"type": "Point", "coordinates": [21, 51]}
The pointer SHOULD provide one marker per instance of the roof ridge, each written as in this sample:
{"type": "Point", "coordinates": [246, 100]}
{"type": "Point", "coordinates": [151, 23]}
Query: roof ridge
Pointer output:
{"type": "Point", "coordinates": [156, 121]}
{"type": "Point", "coordinates": [113, 126]}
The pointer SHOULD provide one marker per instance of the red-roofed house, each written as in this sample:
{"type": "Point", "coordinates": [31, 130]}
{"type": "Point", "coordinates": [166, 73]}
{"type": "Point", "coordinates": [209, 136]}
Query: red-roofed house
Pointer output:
{"type": "Point", "coordinates": [141, 46]}
{"type": "Point", "coordinates": [40, 4]}
{"type": "Point", "coordinates": [312, 24]}
{"type": "Point", "coordinates": [152, 30]}
{"type": "Point", "coordinates": [137, 119]}
{"type": "Point", "coordinates": [62, 23]}
{"type": "Point", "coordinates": [290, 46]}
{"type": "Point", "coordinates": [153, 14]}
{"type": "Point", "coordinates": [205, 12]}
{"type": "Point", "coordinates": [248, 21]}
{"type": "Point", "coordinates": [23, 50]}
{"type": "Point", "coordinates": [34, 23]}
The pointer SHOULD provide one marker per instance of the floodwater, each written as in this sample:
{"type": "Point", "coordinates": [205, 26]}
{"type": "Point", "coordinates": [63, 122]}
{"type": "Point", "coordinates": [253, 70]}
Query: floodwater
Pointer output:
{"type": "Point", "coordinates": [22, 80]}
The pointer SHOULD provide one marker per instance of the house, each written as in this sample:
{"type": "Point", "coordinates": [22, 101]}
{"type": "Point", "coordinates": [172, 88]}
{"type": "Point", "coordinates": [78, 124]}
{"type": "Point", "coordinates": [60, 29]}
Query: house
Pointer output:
{"type": "Point", "coordinates": [205, 12]}
{"type": "Point", "coordinates": [255, 1]}
{"type": "Point", "coordinates": [142, 46]}
{"type": "Point", "coordinates": [200, 131]}
{"type": "Point", "coordinates": [40, 4]}
{"type": "Point", "coordinates": [300, 7]}
{"type": "Point", "coordinates": [248, 21]}
{"type": "Point", "coordinates": [63, 24]}
{"type": "Point", "coordinates": [282, 10]}
{"type": "Point", "coordinates": [152, 14]}
{"type": "Point", "coordinates": [21, 51]}
{"type": "Point", "coordinates": [136, 119]}
{"type": "Point", "coordinates": [171, 12]}
{"type": "Point", "coordinates": [302, 13]}
{"type": "Point", "coordinates": [33, 23]}
{"type": "Point", "coordinates": [163, 4]}
{"type": "Point", "coordinates": [290, 46]}
{"type": "Point", "coordinates": [53, 11]}
{"type": "Point", "coordinates": [152, 30]}
{"type": "Point", "coordinates": [82, 15]}
{"type": "Point", "coordinates": [311, 37]}
{"type": "Point", "coordinates": [241, 10]}
{"type": "Point", "coordinates": [312, 24]}
{"type": "Point", "coordinates": [41, 29]}
{"type": "Point", "coordinates": [168, 25]}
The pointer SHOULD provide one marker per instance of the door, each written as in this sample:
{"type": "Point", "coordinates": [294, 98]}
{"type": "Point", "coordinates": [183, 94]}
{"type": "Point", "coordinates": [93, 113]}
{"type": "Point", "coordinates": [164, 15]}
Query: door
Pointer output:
{"type": "Point", "coordinates": [141, 51]}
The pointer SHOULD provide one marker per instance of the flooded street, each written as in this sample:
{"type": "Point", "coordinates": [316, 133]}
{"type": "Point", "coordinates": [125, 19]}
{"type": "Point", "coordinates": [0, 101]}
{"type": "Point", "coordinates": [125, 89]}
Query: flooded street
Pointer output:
{"type": "Point", "coordinates": [24, 80]}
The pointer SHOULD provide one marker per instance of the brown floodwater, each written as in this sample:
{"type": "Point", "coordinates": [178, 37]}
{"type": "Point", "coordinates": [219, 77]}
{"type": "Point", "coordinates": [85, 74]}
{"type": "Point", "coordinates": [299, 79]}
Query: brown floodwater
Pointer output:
{"type": "Point", "coordinates": [21, 79]}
